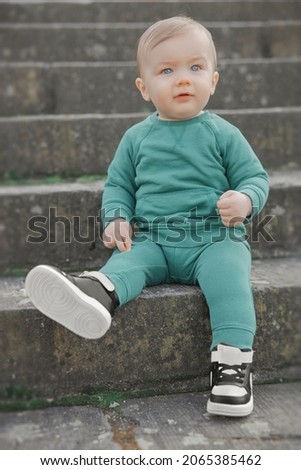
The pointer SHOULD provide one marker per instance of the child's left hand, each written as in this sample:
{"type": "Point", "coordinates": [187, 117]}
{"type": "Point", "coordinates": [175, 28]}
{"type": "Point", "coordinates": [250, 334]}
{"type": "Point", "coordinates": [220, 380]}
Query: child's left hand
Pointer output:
{"type": "Point", "coordinates": [234, 207]}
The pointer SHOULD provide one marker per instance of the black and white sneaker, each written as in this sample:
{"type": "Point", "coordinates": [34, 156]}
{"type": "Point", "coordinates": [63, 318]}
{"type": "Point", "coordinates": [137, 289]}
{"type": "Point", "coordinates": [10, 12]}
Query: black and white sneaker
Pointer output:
{"type": "Point", "coordinates": [231, 382]}
{"type": "Point", "coordinates": [84, 304]}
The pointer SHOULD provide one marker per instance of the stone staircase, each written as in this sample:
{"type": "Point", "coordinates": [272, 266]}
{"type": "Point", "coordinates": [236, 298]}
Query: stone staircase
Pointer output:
{"type": "Point", "coordinates": [67, 95]}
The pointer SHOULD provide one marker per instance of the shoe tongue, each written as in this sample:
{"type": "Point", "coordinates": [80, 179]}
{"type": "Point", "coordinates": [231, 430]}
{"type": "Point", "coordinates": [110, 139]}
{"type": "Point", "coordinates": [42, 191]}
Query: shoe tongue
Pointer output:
{"type": "Point", "coordinates": [230, 355]}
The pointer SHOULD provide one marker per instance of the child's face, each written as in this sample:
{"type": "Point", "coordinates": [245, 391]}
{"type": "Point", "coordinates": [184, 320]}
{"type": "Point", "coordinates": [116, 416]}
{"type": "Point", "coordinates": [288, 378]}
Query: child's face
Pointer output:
{"type": "Point", "coordinates": [178, 75]}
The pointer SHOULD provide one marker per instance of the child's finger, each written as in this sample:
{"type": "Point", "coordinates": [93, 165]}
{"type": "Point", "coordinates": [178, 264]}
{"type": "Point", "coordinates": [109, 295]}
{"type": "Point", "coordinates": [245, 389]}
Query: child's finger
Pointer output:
{"type": "Point", "coordinates": [125, 239]}
{"type": "Point", "coordinates": [223, 203]}
{"type": "Point", "coordinates": [108, 240]}
{"type": "Point", "coordinates": [128, 244]}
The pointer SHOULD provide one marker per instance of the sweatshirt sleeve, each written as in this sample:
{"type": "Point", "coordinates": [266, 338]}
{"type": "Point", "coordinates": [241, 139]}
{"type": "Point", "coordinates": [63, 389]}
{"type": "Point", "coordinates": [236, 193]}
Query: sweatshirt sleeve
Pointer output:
{"type": "Point", "coordinates": [244, 171]}
{"type": "Point", "coordinates": [118, 198]}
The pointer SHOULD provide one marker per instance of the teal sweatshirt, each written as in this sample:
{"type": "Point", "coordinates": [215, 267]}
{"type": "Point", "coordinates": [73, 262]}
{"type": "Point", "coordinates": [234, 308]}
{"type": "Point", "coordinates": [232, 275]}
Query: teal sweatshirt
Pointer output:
{"type": "Point", "coordinates": [167, 176]}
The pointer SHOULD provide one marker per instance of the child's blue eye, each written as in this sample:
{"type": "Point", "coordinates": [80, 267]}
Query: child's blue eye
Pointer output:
{"type": "Point", "coordinates": [195, 68]}
{"type": "Point", "coordinates": [167, 71]}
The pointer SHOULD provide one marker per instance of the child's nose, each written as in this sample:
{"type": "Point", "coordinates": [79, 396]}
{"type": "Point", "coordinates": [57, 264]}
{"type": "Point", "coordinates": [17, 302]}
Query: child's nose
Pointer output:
{"type": "Point", "coordinates": [183, 81]}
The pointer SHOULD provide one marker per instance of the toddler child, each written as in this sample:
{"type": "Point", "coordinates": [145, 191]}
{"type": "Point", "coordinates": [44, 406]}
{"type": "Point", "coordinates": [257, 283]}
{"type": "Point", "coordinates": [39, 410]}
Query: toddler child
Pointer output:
{"type": "Point", "coordinates": [179, 191]}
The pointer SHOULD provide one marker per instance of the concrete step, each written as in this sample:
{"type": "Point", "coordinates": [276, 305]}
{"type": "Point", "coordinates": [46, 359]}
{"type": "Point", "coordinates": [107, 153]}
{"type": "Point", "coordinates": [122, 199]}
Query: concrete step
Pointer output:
{"type": "Point", "coordinates": [134, 11]}
{"type": "Point", "coordinates": [160, 339]}
{"type": "Point", "coordinates": [85, 144]}
{"type": "Point", "coordinates": [159, 422]}
{"type": "Point", "coordinates": [84, 42]}
{"type": "Point", "coordinates": [58, 224]}
{"type": "Point", "coordinates": [76, 88]}
{"type": "Point", "coordinates": [67, 215]}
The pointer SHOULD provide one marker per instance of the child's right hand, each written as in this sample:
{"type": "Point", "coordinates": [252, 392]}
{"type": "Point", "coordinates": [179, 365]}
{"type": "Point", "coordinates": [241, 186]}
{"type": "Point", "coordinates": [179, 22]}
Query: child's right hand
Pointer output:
{"type": "Point", "coordinates": [118, 234]}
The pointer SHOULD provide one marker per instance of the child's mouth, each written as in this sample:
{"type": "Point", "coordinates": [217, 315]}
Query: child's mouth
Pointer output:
{"type": "Point", "coordinates": [183, 96]}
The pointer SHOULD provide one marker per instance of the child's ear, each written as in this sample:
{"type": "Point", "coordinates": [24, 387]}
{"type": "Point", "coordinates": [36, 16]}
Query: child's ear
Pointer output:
{"type": "Point", "coordinates": [214, 82]}
{"type": "Point", "coordinates": [142, 88]}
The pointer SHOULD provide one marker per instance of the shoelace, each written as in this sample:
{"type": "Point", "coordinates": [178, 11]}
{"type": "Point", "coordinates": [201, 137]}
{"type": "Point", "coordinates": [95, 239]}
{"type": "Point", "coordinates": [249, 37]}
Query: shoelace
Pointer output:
{"type": "Point", "coordinates": [223, 374]}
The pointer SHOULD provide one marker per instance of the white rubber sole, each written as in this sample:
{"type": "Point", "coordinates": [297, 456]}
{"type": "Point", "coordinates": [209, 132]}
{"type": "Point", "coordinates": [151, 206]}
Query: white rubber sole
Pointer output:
{"type": "Point", "coordinates": [224, 409]}
{"type": "Point", "coordinates": [57, 298]}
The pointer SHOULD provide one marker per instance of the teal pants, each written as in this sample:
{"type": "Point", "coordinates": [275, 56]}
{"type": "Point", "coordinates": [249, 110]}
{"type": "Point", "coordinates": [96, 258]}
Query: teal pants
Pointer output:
{"type": "Point", "coordinates": [221, 269]}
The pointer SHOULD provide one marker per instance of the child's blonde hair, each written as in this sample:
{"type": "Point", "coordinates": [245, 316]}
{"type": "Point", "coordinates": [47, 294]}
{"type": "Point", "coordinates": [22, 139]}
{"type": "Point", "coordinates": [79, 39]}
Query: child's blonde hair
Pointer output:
{"type": "Point", "coordinates": [168, 28]}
